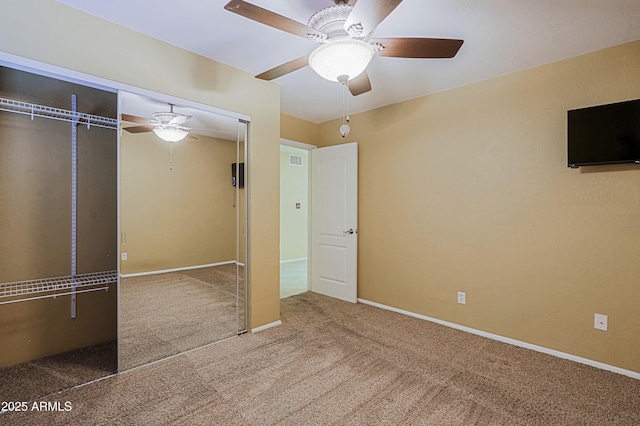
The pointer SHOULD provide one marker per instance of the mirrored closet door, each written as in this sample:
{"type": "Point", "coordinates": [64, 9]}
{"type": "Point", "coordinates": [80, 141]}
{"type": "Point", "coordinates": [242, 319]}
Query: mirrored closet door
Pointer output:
{"type": "Point", "coordinates": [183, 229]}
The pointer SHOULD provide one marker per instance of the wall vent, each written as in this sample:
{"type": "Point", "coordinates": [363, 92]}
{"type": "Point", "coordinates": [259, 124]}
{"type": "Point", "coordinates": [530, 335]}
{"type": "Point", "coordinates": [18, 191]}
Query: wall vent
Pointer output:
{"type": "Point", "coordinates": [295, 160]}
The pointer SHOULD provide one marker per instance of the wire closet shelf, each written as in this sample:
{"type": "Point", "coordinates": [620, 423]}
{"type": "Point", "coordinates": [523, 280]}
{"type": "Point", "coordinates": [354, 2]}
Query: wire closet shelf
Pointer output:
{"type": "Point", "coordinates": [19, 291]}
{"type": "Point", "coordinates": [35, 110]}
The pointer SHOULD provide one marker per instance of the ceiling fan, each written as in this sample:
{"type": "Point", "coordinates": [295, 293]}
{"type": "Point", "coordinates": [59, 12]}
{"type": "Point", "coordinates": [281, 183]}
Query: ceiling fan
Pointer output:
{"type": "Point", "coordinates": [345, 32]}
{"type": "Point", "coordinates": [167, 125]}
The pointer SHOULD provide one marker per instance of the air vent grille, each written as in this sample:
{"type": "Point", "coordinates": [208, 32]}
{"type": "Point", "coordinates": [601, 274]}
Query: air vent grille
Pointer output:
{"type": "Point", "coordinates": [295, 160]}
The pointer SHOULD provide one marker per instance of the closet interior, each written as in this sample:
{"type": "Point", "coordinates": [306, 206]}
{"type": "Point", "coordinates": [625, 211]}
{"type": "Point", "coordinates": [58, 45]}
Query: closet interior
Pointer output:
{"type": "Point", "coordinates": [58, 239]}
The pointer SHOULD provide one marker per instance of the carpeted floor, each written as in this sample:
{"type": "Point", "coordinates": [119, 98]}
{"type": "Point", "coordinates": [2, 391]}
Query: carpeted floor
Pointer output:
{"type": "Point", "coordinates": [52, 374]}
{"type": "Point", "coordinates": [332, 362]}
{"type": "Point", "coordinates": [160, 315]}
{"type": "Point", "coordinates": [166, 314]}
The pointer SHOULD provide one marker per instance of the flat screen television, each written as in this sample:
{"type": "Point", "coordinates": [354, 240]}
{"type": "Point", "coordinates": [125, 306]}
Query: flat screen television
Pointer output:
{"type": "Point", "coordinates": [605, 134]}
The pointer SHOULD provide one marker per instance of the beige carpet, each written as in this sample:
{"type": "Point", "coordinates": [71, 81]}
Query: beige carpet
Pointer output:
{"type": "Point", "coordinates": [161, 315]}
{"type": "Point", "coordinates": [44, 376]}
{"type": "Point", "coordinates": [336, 363]}
{"type": "Point", "coordinates": [166, 314]}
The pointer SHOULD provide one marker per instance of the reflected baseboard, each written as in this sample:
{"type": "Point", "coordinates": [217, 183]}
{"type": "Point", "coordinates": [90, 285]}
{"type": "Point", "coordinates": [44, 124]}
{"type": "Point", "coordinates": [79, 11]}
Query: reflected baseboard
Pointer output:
{"type": "Point", "coordinates": [185, 268]}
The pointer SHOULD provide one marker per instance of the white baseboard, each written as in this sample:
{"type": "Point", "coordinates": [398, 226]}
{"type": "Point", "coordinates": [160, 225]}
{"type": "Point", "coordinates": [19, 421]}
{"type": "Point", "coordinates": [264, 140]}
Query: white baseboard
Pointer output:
{"type": "Point", "coordinates": [510, 341]}
{"type": "Point", "coordinates": [299, 259]}
{"type": "Point", "coordinates": [186, 268]}
{"type": "Point", "coordinates": [266, 326]}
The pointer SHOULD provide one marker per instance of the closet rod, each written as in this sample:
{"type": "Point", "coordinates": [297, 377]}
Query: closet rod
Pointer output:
{"type": "Point", "coordinates": [35, 110]}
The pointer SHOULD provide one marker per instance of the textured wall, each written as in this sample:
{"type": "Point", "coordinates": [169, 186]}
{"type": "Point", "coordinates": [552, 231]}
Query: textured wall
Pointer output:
{"type": "Point", "coordinates": [180, 214]}
{"type": "Point", "coordinates": [298, 130]}
{"type": "Point", "coordinates": [469, 190]}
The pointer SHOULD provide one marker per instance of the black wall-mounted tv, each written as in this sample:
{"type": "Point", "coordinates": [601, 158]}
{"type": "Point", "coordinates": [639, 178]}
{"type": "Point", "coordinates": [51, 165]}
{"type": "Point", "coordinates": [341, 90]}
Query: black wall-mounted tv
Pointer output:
{"type": "Point", "coordinates": [605, 134]}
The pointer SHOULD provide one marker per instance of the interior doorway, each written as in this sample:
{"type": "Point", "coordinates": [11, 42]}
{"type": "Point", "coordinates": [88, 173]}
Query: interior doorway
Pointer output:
{"type": "Point", "coordinates": [318, 219]}
{"type": "Point", "coordinates": [294, 218]}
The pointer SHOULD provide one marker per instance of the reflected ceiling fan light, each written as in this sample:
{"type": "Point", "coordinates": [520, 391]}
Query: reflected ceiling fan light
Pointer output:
{"type": "Point", "coordinates": [347, 57]}
{"type": "Point", "coordinates": [170, 134]}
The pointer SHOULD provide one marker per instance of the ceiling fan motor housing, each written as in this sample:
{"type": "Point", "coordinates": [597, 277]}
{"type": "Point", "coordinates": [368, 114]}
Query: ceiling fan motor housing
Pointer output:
{"type": "Point", "coordinates": [330, 21]}
{"type": "Point", "coordinates": [165, 117]}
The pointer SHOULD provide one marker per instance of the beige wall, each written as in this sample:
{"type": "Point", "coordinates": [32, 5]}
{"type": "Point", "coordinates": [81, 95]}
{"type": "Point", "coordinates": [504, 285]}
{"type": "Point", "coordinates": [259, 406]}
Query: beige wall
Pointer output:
{"type": "Point", "coordinates": [177, 214]}
{"type": "Point", "coordinates": [294, 188]}
{"type": "Point", "coordinates": [469, 190]}
{"type": "Point", "coordinates": [42, 29]}
{"type": "Point", "coordinates": [298, 130]}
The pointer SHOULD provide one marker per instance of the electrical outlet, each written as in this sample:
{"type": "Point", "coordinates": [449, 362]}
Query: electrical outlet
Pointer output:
{"type": "Point", "coordinates": [124, 256]}
{"type": "Point", "coordinates": [462, 298]}
{"type": "Point", "coordinates": [600, 322]}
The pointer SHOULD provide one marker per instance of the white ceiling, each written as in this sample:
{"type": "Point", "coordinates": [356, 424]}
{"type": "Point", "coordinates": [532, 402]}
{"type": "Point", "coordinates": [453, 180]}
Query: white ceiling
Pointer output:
{"type": "Point", "coordinates": [501, 36]}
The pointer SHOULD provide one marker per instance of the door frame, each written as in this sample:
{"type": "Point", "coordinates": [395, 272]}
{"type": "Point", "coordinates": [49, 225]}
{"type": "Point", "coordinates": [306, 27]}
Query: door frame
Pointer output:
{"type": "Point", "coordinates": [308, 147]}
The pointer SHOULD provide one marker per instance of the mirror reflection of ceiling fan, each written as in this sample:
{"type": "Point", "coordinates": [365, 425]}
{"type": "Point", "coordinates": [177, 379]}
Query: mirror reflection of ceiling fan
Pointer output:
{"type": "Point", "coordinates": [345, 32]}
{"type": "Point", "coordinates": [171, 126]}
{"type": "Point", "coordinates": [168, 126]}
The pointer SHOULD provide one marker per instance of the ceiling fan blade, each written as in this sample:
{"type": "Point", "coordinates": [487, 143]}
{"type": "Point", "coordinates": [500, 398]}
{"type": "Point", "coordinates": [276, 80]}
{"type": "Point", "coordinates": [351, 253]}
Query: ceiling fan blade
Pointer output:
{"type": "Point", "coordinates": [284, 69]}
{"type": "Point", "coordinates": [418, 47]}
{"type": "Point", "coordinates": [138, 129]}
{"type": "Point", "coordinates": [360, 84]}
{"type": "Point", "coordinates": [271, 19]}
{"type": "Point", "coordinates": [133, 119]}
{"type": "Point", "coordinates": [369, 13]}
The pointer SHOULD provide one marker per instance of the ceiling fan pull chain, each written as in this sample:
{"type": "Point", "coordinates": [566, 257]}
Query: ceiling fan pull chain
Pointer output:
{"type": "Point", "coordinates": [347, 89]}
{"type": "Point", "coordinates": [344, 89]}
{"type": "Point", "coordinates": [345, 128]}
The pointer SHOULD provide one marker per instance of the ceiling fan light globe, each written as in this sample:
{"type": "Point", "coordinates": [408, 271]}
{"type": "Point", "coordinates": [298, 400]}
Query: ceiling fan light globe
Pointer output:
{"type": "Point", "coordinates": [170, 134]}
{"type": "Point", "coordinates": [348, 57]}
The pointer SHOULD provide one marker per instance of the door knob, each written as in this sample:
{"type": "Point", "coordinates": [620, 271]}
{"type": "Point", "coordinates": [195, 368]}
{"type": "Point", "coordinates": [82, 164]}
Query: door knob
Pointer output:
{"type": "Point", "coordinates": [350, 231]}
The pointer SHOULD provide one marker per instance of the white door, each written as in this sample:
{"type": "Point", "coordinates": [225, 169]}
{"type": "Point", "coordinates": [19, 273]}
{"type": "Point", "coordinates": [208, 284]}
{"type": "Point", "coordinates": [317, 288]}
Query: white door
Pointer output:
{"type": "Point", "coordinates": [334, 221]}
